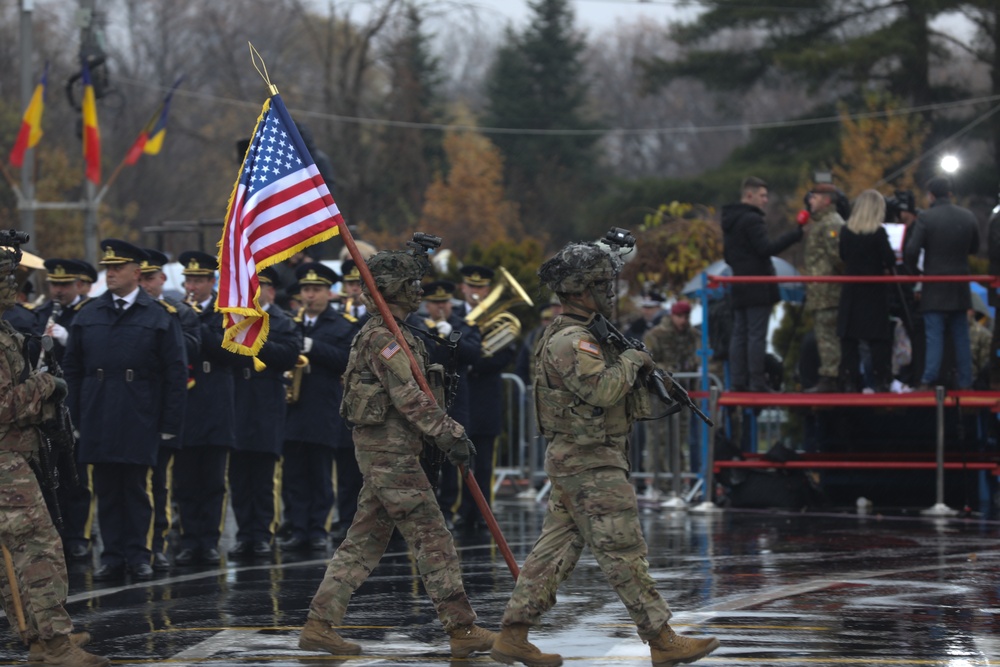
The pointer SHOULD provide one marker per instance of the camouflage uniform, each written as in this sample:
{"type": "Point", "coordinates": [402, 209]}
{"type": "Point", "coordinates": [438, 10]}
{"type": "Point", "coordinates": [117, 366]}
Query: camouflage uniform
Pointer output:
{"type": "Point", "coordinates": [823, 299]}
{"type": "Point", "coordinates": [980, 342]}
{"type": "Point", "coordinates": [584, 396]}
{"type": "Point", "coordinates": [26, 528]}
{"type": "Point", "coordinates": [673, 351]}
{"type": "Point", "coordinates": [391, 416]}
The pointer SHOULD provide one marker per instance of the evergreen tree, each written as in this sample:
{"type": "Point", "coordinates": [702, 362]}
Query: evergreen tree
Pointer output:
{"type": "Point", "coordinates": [536, 82]}
{"type": "Point", "coordinates": [860, 42]}
{"type": "Point", "coordinates": [408, 157]}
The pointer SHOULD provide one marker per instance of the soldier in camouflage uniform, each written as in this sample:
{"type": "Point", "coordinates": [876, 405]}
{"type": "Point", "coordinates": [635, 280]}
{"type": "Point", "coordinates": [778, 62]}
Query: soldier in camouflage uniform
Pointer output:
{"type": "Point", "coordinates": [586, 399]}
{"type": "Point", "coordinates": [823, 299]}
{"type": "Point", "coordinates": [980, 343]}
{"type": "Point", "coordinates": [26, 529]}
{"type": "Point", "coordinates": [392, 417]}
{"type": "Point", "coordinates": [673, 344]}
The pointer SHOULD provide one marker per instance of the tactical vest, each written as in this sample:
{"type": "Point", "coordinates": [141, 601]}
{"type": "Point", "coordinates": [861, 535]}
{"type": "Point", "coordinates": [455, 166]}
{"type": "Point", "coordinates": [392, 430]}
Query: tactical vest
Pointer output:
{"type": "Point", "coordinates": [561, 412]}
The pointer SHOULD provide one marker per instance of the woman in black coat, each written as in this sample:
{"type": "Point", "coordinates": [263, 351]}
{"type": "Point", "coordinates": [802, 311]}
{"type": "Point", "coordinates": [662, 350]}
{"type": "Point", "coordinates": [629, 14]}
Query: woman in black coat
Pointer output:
{"type": "Point", "coordinates": [864, 307]}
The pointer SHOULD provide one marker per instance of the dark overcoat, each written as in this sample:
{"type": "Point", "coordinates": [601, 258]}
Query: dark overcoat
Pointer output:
{"type": "Point", "coordinates": [211, 414]}
{"type": "Point", "coordinates": [260, 395]}
{"type": "Point", "coordinates": [947, 234]}
{"type": "Point", "coordinates": [127, 379]}
{"type": "Point", "coordinates": [864, 308]}
{"type": "Point", "coordinates": [315, 417]}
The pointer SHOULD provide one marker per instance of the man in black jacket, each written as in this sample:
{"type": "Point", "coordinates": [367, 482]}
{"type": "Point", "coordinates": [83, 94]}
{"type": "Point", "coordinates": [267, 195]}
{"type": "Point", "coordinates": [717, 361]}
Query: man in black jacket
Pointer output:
{"type": "Point", "coordinates": [947, 234]}
{"type": "Point", "coordinates": [748, 251]}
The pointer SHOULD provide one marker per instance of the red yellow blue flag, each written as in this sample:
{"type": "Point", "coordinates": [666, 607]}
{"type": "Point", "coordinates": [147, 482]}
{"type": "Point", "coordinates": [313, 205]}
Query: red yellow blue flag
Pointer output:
{"type": "Point", "coordinates": [31, 123]}
{"type": "Point", "coordinates": [150, 139]}
{"type": "Point", "coordinates": [91, 132]}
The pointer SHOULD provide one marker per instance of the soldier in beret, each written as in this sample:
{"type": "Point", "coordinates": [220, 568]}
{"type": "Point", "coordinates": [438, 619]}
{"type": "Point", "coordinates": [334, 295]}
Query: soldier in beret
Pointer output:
{"type": "Point", "coordinates": [153, 279]}
{"type": "Point", "coordinates": [315, 434]}
{"type": "Point", "coordinates": [209, 429]}
{"type": "Point", "coordinates": [125, 367]}
{"type": "Point", "coordinates": [260, 400]}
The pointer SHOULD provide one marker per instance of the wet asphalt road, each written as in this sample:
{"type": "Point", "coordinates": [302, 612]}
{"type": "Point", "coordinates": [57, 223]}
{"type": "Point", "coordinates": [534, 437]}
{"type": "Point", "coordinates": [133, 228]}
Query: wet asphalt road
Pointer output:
{"type": "Point", "coordinates": [776, 588]}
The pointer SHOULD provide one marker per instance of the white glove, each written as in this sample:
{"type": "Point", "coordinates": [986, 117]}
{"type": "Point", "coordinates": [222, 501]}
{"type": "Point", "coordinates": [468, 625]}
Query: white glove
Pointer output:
{"type": "Point", "coordinates": [59, 333]}
{"type": "Point", "coordinates": [167, 436]}
{"type": "Point", "coordinates": [76, 434]}
{"type": "Point", "coordinates": [444, 329]}
{"type": "Point", "coordinates": [307, 344]}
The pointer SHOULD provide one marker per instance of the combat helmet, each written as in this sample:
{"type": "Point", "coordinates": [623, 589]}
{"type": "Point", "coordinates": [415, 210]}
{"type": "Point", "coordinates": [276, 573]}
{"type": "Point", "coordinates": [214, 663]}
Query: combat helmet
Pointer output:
{"type": "Point", "coordinates": [394, 271]}
{"type": "Point", "coordinates": [578, 266]}
{"type": "Point", "coordinates": [9, 260]}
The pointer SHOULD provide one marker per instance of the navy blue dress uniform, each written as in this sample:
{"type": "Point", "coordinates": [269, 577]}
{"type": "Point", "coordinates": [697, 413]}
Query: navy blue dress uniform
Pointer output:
{"type": "Point", "coordinates": [23, 318]}
{"type": "Point", "coordinates": [124, 364]}
{"type": "Point", "coordinates": [76, 502]}
{"type": "Point", "coordinates": [60, 272]}
{"type": "Point", "coordinates": [349, 303]}
{"type": "Point", "coordinates": [466, 352]}
{"type": "Point", "coordinates": [486, 393]}
{"type": "Point", "coordinates": [260, 430]}
{"type": "Point", "coordinates": [316, 436]}
{"type": "Point", "coordinates": [199, 472]}
{"type": "Point", "coordinates": [163, 471]}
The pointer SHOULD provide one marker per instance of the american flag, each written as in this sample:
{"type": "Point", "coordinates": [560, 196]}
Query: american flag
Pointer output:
{"type": "Point", "coordinates": [279, 206]}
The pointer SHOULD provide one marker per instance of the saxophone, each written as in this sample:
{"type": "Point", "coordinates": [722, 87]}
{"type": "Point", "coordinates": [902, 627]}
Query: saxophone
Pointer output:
{"type": "Point", "coordinates": [293, 378]}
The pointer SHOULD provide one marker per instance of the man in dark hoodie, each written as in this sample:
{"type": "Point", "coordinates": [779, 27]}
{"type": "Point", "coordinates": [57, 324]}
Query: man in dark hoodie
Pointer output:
{"type": "Point", "coordinates": [748, 251]}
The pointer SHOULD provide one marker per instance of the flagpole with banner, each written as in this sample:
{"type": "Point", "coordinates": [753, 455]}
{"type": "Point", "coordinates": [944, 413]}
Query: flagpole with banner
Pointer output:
{"type": "Point", "coordinates": [149, 141]}
{"type": "Point", "coordinates": [247, 251]}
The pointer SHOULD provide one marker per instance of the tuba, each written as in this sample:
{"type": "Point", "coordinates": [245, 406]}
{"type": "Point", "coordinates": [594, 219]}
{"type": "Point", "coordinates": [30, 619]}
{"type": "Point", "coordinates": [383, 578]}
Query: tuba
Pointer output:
{"type": "Point", "coordinates": [498, 327]}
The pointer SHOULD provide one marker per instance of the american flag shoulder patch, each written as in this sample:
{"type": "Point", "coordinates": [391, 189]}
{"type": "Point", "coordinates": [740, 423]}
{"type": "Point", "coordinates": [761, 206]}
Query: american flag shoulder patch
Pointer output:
{"type": "Point", "coordinates": [390, 350]}
{"type": "Point", "coordinates": [590, 348]}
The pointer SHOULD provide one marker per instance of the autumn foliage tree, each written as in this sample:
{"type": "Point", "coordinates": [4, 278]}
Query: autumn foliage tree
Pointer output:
{"type": "Point", "coordinates": [468, 205]}
{"type": "Point", "coordinates": [875, 147]}
{"type": "Point", "coordinates": [674, 244]}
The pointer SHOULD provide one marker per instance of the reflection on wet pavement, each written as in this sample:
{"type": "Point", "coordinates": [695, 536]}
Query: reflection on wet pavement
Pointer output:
{"type": "Point", "coordinates": [776, 588]}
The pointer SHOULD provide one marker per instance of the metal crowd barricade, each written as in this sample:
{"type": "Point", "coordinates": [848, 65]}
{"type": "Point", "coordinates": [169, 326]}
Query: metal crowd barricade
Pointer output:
{"type": "Point", "coordinates": [512, 458]}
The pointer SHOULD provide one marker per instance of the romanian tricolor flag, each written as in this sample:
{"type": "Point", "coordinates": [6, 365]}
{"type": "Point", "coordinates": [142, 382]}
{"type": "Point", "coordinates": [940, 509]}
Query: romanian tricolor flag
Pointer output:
{"type": "Point", "coordinates": [31, 124]}
{"type": "Point", "coordinates": [91, 133]}
{"type": "Point", "coordinates": [150, 140]}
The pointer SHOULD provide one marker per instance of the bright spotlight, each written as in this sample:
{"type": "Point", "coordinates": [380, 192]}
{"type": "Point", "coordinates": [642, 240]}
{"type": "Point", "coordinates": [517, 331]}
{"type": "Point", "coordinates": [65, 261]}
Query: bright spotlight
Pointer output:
{"type": "Point", "coordinates": [949, 164]}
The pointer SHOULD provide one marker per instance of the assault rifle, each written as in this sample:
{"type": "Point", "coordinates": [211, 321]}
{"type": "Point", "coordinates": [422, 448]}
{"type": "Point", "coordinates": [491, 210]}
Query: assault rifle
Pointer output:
{"type": "Point", "coordinates": [662, 384]}
{"type": "Point", "coordinates": [57, 455]}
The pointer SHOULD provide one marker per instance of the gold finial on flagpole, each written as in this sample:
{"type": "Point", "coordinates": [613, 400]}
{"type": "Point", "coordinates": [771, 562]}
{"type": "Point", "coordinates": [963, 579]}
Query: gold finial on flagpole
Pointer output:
{"type": "Point", "coordinates": [254, 57]}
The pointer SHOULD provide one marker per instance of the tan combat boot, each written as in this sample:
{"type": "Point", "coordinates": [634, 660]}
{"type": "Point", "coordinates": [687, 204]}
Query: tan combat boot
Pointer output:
{"type": "Point", "coordinates": [671, 648]}
{"type": "Point", "coordinates": [317, 635]}
{"type": "Point", "coordinates": [470, 639]}
{"type": "Point", "coordinates": [512, 646]}
{"type": "Point", "coordinates": [61, 651]}
{"type": "Point", "coordinates": [35, 650]}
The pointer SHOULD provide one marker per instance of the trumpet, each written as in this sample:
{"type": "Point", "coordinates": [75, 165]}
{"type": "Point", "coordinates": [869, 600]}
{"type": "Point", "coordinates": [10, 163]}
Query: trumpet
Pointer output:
{"type": "Point", "coordinates": [498, 327]}
{"type": "Point", "coordinates": [293, 378]}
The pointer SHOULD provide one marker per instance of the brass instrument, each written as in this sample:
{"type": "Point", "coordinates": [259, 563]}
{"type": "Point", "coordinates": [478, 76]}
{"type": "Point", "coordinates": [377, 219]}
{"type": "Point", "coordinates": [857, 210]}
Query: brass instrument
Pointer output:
{"type": "Point", "coordinates": [294, 379]}
{"type": "Point", "coordinates": [498, 327]}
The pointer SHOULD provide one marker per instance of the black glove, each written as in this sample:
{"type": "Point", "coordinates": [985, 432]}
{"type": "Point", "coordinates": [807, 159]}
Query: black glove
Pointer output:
{"type": "Point", "coordinates": [461, 452]}
{"type": "Point", "coordinates": [61, 391]}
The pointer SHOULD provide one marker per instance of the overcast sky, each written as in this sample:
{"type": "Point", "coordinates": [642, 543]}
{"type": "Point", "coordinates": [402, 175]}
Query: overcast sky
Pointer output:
{"type": "Point", "coordinates": [591, 14]}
